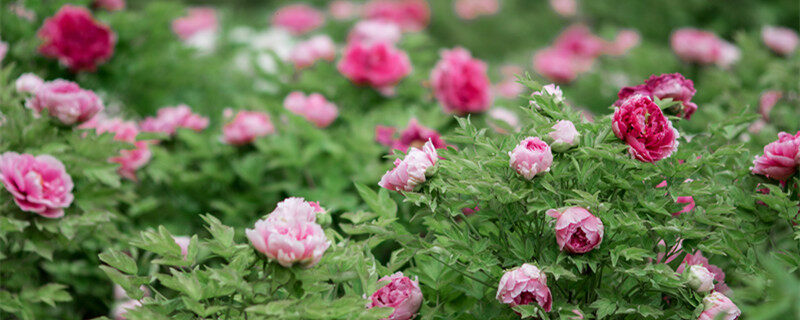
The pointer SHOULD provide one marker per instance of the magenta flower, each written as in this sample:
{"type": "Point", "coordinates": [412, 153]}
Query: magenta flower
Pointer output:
{"type": "Point", "coordinates": [298, 18]}
{"type": "Point", "coordinates": [169, 119]}
{"type": "Point", "coordinates": [109, 5]}
{"type": "Point", "coordinates": [781, 40]}
{"type": "Point", "coordinates": [246, 126]}
{"type": "Point", "coordinates": [689, 200]}
{"type": "Point", "coordinates": [460, 83]}
{"type": "Point", "coordinates": [401, 294]}
{"type": "Point", "coordinates": [564, 136]}
{"type": "Point", "coordinates": [779, 160]}
{"type": "Point", "coordinates": [76, 39]}
{"type": "Point", "coordinates": [664, 86]}
{"type": "Point", "coordinates": [412, 170]}
{"type": "Point", "coordinates": [414, 135]}
{"type": "Point", "coordinates": [717, 306]}
{"type": "Point", "coordinates": [131, 160]}
{"type": "Point", "coordinates": [411, 15]}
{"type": "Point", "coordinates": [372, 31]}
{"type": "Point", "coordinates": [577, 230]}
{"type": "Point", "coordinates": [525, 285]}
{"type": "Point", "coordinates": [314, 107]}
{"type": "Point", "coordinates": [379, 65]}
{"type": "Point", "coordinates": [38, 184]}
{"type": "Point", "coordinates": [65, 101]}
{"type": "Point", "coordinates": [197, 21]}
{"type": "Point", "coordinates": [530, 157]}
{"type": "Point", "coordinates": [641, 124]}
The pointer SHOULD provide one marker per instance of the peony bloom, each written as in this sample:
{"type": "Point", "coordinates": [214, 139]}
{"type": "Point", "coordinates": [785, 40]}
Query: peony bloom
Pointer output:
{"type": "Point", "coordinates": [306, 53]}
{"type": "Point", "coordinates": [779, 160]}
{"type": "Point", "coordinates": [699, 278]}
{"type": "Point", "coordinates": [703, 47]}
{"type": "Point", "coordinates": [246, 126]}
{"type": "Point", "coordinates": [624, 41]}
{"type": "Point", "coordinates": [38, 184]}
{"type": "Point", "coordinates": [411, 15]}
{"type": "Point", "coordinates": [525, 285]}
{"type": "Point", "coordinates": [565, 8]}
{"type": "Point", "coordinates": [564, 136]}
{"type": "Point", "coordinates": [577, 230]}
{"type": "Point", "coordinates": [766, 102]}
{"type": "Point", "coordinates": [414, 135]}
{"type": "Point", "coordinates": [121, 308]}
{"type": "Point", "coordinates": [411, 170]}
{"type": "Point", "coordinates": [781, 40]}
{"type": "Point", "coordinates": [198, 28]}
{"type": "Point", "coordinates": [3, 50]}
{"type": "Point", "coordinates": [379, 65]}
{"type": "Point", "coordinates": [555, 65]}
{"type": "Point", "coordinates": [401, 293]}
{"type": "Point", "coordinates": [698, 259]}
{"type": "Point", "coordinates": [125, 131]}
{"type": "Point", "coordinates": [343, 9]}
{"type": "Point", "coordinates": [372, 31]}
{"type": "Point", "coordinates": [183, 243]}
{"type": "Point", "coordinates": [689, 200]}
{"type": "Point", "coordinates": [385, 135]}
{"type": "Point", "coordinates": [672, 85]}
{"type": "Point", "coordinates": [531, 157]}
{"type": "Point", "coordinates": [550, 90]}
{"type": "Point", "coordinates": [298, 18]}
{"type": "Point", "coordinates": [314, 107]}
{"type": "Point", "coordinates": [509, 88]}
{"type": "Point", "coordinates": [28, 83]}
{"type": "Point", "coordinates": [110, 5]}
{"type": "Point", "coordinates": [131, 160]}
{"type": "Point", "coordinates": [501, 120]}
{"type": "Point", "coordinates": [169, 119]}
{"type": "Point", "coordinates": [460, 83]}
{"type": "Point", "coordinates": [471, 9]}
{"type": "Point", "coordinates": [573, 52]}
{"type": "Point", "coordinates": [641, 124]}
{"type": "Point", "coordinates": [66, 101]}
{"type": "Point", "coordinates": [717, 304]}
{"type": "Point", "coordinates": [289, 235]}
{"type": "Point", "coordinates": [729, 55]}
{"type": "Point", "coordinates": [74, 37]}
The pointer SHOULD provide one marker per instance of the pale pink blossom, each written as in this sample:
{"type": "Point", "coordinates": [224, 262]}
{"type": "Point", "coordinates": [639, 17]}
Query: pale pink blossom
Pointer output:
{"type": "Point", "coordinates": [183, 242]}
{"type": "Point", "coordinates": [66, 101]}
{"type": "Point", "coordinates": [169, 119]}
{"type": "Point", "coordinates": [781, 40]}
{"type": "Point", "coordinates": [623, 42]}
{"type": "Point", "coordinates": [343, 9]}
{"type": "Point", "coordinates": [246, 126]}
{"type": "Point", "coordinates": [379, 65]}
{"type": "Point", "coordinates": [372, 31]}
{"type": "Point", "coordinates": [125, 131]}
{"type": "Point", "coordinates": [401, 294]}
{"type": "Point", "coordinates": [779, 160]}
{"type": "Point", "coordinates": [306, 53]}
{"type": "Point", "coordinates": [289, 240]}
{"type": "Point", "coordinates": [564, 136]}
{"type": "Point", "coordinates": [509, 88]}
{"type": "Point", "coordinates": [131, 160]}
{"type": "Point", "coordinates": [38, 184]}
{"type": "Point", "coordinates": [531, 157]}
{"type": "Point", "coordinates": [729, 55]}
{"type": "Point", "coordinates": [698, 259]}
{"type": "Point", "coordinates": [767, 101]}
{"type": "Point", "coordinates": [28, 83]}
{"type": "Point", "coordinates": [577, 229]}
{"type": "Point", "coordinates": [121, 308]}
{"type": "Point", "coordinates": [460, 82]}
{"type": "Point", "coordinates": [197, 20]}
{"type": "Point", "coordinates": [501, 119]}
{"type": "Point", "coordinates": [411, 15]}
{"type": "Point", "coordinates": [298, 18]}
{"type": "Point", "coordinates": [314, 107]}
{"type": "Point", "coordinates": [565, 8]}
{"type": "Point", "coordinates": [412, 170]}
{"type": "Point", "coordinates": [699, 278]}
{"type": "Point", "coordinates": [717, 306]}
{"type": "Point", "coordinates": [295, 208]}
{"type": "Point", "coordinates": [21, 11]}
{"type": "Point", "coordinates": [3, 50]}
{"type": "Point", "coordinates": [703, 47]}
{"type": "Point", "coordinates": [555, 65]}
{"type": "Point", "coordinates": [551, 90]}
{"type": "Point", "coordinates": [471, 9]}
{"type": "Point", "coordinates": [525, 285]}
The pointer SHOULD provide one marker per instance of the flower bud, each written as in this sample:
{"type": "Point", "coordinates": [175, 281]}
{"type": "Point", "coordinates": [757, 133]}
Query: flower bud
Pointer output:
{"type": "Point", "coordinates": [525, 285]}
{"type": "Point", "coordinates": [699, 278]}
{"type": "Point", "coordinates": [717, 304]}
{"type": "Point", "coordinates": [564, 137]}
{"type": "Point", "coordinates": [401, 293]}
{"type": "Point", "coordinates": [577, 230]}
{"type": "Point", "coordinates": [411, 170]}
{"type": "Point", "coordinates": [531, 157]}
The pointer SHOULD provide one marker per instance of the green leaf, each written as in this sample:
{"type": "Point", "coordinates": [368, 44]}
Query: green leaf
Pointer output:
{"type": "Point", "coordinates": [119, 260]}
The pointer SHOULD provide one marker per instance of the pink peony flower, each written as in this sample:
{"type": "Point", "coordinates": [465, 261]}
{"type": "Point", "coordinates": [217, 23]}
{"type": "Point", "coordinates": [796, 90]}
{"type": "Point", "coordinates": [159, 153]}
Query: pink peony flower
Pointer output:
{"type": "Point", "coordinates": [525, 285]}
{"type": "Point", "coordinates": [703, 47]}
{"type": "Point", "coordinates": [573, 52]}
{"type": "Point", "coordinates": [120, 294]}
{"type": "Point", "coordinates": [411, 170]}
{"type": "Point", "coordinates": [169, 119]}
{"type": "Point", "coordinates": [509, 88]}
{"type": "Point", "coordinates": [555, 65]}
{"type": "Point", "coordinates": [781, 40]}
{"type": "Point", "coordinates": [460, 83]}
{"type": "Point", "coordinates": [550, 90]}
{"type": "Point", "coordinates": [306, 53]}
{"type": "Point", "coordinates": [411, 15]}
{"type": "Point", "coordinates": [641, 124]}
{"type": "Point", "coordinates": [779, 160]}
{"type": "Point", "coordinates": [110, 5]}
{"type": "Point", "coordinates": [372, 31]}
{"type": "Point", "coordinates": [578, 40]}
{"type": "Point", "coordinates": [564, 136]}
{"type": "Point", "coordinates": [729, 55]}
{"type": "Point", "coordinates": [700, 279]}
{"type": "Point", "coordinates": [288, 237]}
{"type": "Point", "coordinates": [295, 208]}
{"type": "Point", "coordinates": [314, 107]}
{"type": "Point", "coordinates": [385, 135]}
{"type": "Point", "coordinates": [531, 157]}
{"type": "Point", "coordinates": [66, 101]}
{"type": "Point", "coordinates": [197, 21]}
{"type": "Point", "coordinates": [3, 50]}
{"type": "Point", "coordinates": [565, 8]}
{"type": "Point", "coordinates": [577, 229]}
{"type": "Point", "coordinates": [246, 126]}
{"type": "Point", "coordinates": [500, 119]}
{"type": "Point", "coordinates": [401, 294]}
{"type": "Point", "coordinates": [672, 85]}
{"type": "Point", "coordinates": [343, 10]}
{"type": "Point", "coordinates": [74, 37]}
{"type": "Point", "coordinates": [767, 101]}
{"type": "Point", "coordinates": [698, 259]}
{"type": "Point", "coordinates": [125, 131]}
{"type": "Point", "coordinates": [298, 18]}
{"type": "Point", "coordinates": [414, 135]}
{"type": "Point", "coordinates": [131, 160]}
{"type": "Point", "coordinates": [623, 42]}
{"type": "Point", "coordinates": [38, 184]}
{"type": "Point", "coordinates": [689, 200]}
{"type": "Point", "coordinates": [670, 255]}
{"type": "Point", "coordinates": [379, 65]}
{"type": "Point", "coordinates": [121, 309]}
{"type": "Point", "coordinates": [183, 243]}
{"type": "Point", "coordinates": [471, 9]}
{"type": "Point", "coordinates": [717, 306]}
{"type": "Point", "coordinates": [28, 83]}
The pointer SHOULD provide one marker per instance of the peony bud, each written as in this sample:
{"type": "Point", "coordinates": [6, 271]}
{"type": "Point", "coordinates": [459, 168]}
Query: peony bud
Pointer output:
{"type": "Point", "coordinates": [779, 160]}
{"type": "Point", "coordinates": [699, 278]}
{"type": "Point", "coordinates": [550, 90]}
{"type": "Point", "coordinates": [460, 83]}
{"type": "Point", "coordinates": [66, 101]}
{"type": "Point", "coordinates": [577, 230]}
{"type": "Point", "coordinates": [717, 306]}
{"type": "Point", "coordinates": [531, 157]}
{"type": "Point", "coordinates": [183, 243]}
{"type": "Point", "coordinates": [28, 83]}
{"type": "Point", "coordinates": [564, 137]}
{"type": "Point", "coordinates": [525, 285]}
{"type": "Point", "coordinates": [502, 120]}
{"type": "Point", "coordinates": [411, 170]}
{"type": "Point", "coordinates": [401, 293]}
{"type": "Point", "coordinates": [38, 184]}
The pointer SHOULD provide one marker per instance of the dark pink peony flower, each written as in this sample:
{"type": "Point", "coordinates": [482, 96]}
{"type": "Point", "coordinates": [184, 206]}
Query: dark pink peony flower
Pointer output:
{"type": "Point", "coordinates": [298, 18]}
{"type": "Point", "coordinates": [781, 40]}
{"type": "Point", "coordinates": [401, 293]}
{"type": "Point", "coordinates": [525, 285]}
{"type": "Point", "coordinates": [641, 124]}
{"type": "Point", "coordinates": [470, 211]}
{"type": "Point", "coordinates": [411, 15]}
{"type": "Point", "coordinates": [671, 85]}
{"type": "Point", "coordinates": [246, 126]}
{"type": "Point", "coordinates": [460, 83]}
{"type": "Point", "coordinates": [65, 101]}
{"type": "Point", "coordinates": [38, 184]}
{"type": "Point", "coordinates": [169, 119]}
{"type": "Point", "coordinates": [698, 259]}
{"type": "Point", "coordinates": [74, 37]}
{"type": "Point", "coordinates": [689, 200]}
{"type": "Point", "coordinates": [198, 20]}
{"type": "Point", "coordinates": [414, 135]}
{"type": "Point", "coordinates": [780, 158]}
{"type": "Point", "coordinates": [471, 9]}
{"type": "Point", "coordinates": [379, 65]}
{"type": "Point", "coordinates": [110, 5]}
{"type": "Point", "coordinates": [531, 157]}
{"type": "Point", "coordinates": [577, 229]}
{"type": "Point", "coordinates": [717, 306]}
{"type": "Point", "coordinates": [385, 135]}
